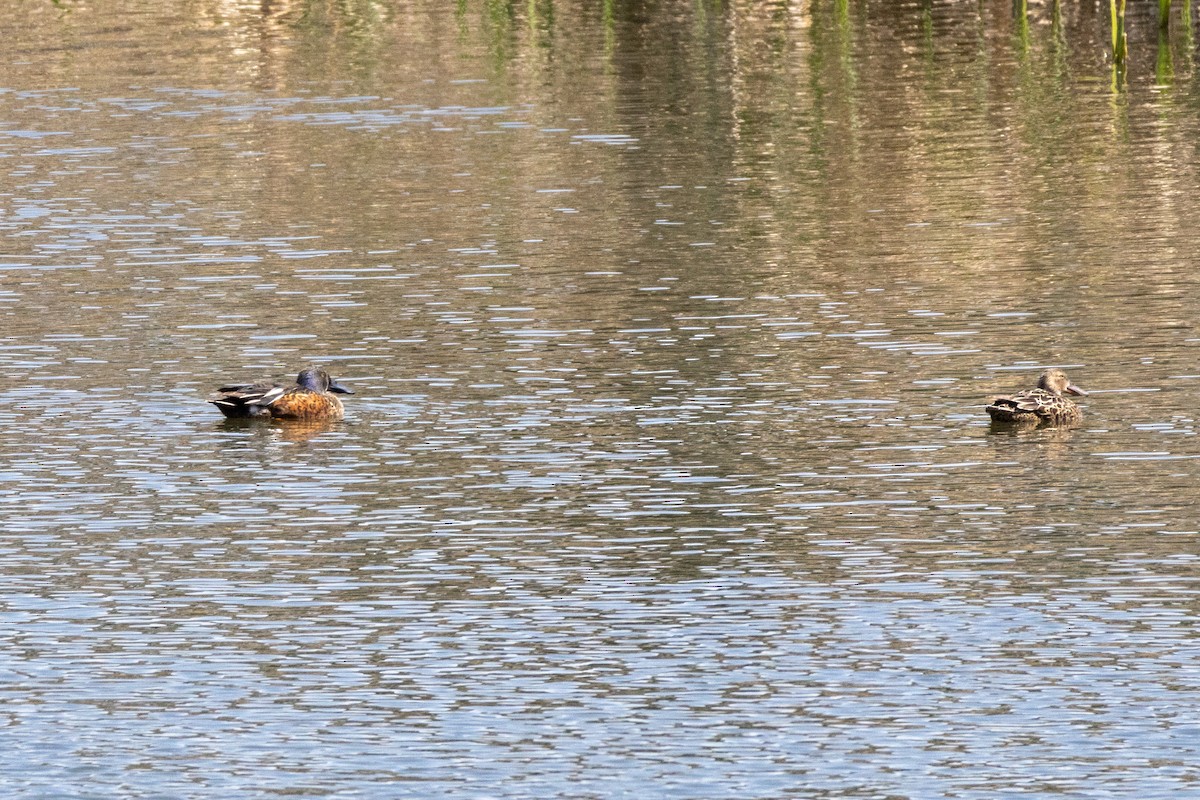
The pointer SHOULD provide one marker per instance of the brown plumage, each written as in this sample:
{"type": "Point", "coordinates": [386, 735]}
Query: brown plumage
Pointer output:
{"type": "Point", "coordinates": [1044, 405]}
{"type": "Point", "coordinates": [311, 398]}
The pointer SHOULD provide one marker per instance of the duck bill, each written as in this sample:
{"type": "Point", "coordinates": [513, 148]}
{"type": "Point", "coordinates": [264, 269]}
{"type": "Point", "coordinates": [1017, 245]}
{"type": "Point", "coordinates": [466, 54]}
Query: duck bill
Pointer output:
{"type": "Point", "coordinates": [1073, 389]}
{"type": "Point", "coordinates": [334, 386]}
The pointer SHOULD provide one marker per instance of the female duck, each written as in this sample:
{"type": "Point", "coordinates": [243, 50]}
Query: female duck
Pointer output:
{"type": "Point", "coordinates": [1044, 405]}
{"type": "Point", "coordinates": [312, 398]}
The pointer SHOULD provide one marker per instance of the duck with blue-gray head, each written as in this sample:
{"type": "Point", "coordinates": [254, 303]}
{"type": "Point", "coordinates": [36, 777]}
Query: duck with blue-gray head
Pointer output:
{"type": "Point", "coordinates": [313, 397]}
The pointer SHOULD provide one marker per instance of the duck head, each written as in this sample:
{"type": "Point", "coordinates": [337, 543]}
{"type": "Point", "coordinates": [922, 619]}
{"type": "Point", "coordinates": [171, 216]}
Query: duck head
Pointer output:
{"type": "Point", "coordinates": [1056, 382]}
{"type": "Point", "coordinates": [316, 379]}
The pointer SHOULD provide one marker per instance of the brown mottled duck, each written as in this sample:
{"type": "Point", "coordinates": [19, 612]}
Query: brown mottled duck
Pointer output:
{"type": "Point", "coordinates": [1045, 405]}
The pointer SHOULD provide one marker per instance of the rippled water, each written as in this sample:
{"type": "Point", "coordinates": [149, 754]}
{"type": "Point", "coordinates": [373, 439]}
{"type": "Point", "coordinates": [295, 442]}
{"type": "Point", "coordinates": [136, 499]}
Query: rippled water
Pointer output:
{"type": "Point", "coordinates": [666, 474]}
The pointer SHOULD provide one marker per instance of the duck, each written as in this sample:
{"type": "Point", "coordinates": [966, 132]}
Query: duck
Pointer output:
{"type": "Point", "coordinates": [1045, 405]}
{"type": "Point", "coordinates": [314, 397]}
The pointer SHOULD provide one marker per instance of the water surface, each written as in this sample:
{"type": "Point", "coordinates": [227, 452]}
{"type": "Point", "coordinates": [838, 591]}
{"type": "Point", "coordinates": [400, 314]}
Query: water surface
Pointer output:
{"type": "Point", "coordinates": [666, 474]}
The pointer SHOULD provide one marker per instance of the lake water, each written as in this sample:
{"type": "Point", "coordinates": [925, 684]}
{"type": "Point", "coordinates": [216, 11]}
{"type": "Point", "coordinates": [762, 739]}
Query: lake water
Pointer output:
{"type": "Point", "coordinates": [667, 473]}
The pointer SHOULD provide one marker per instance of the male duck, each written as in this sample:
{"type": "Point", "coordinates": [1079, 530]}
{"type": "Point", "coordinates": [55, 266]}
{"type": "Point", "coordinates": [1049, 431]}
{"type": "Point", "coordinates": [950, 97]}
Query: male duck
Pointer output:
{"type": "Point", "coordinates": [311, 398]}
{"type": "Point", "coordinates": [1044, 405]}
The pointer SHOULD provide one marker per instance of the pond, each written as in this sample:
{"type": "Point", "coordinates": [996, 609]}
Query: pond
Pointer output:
{"type": "Point", "coordinates": [667, 472]}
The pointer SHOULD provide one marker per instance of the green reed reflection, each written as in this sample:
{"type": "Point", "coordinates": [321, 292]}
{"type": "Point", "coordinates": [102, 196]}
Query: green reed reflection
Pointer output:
{"type": "Point", "coordinates": [1120, 41]}
{"type": "Point", "coordinates": [1021, 16]}
{"type": "Point", "coordinates": [1164, 69]}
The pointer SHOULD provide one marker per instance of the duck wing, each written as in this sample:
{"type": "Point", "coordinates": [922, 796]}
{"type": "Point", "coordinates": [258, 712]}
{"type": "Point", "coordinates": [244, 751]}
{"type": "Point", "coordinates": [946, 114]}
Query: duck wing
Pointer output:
{"type": "Point", "coordinates": [246, 400]}
{"type": "Point", "coordinates": [1032, 401]}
